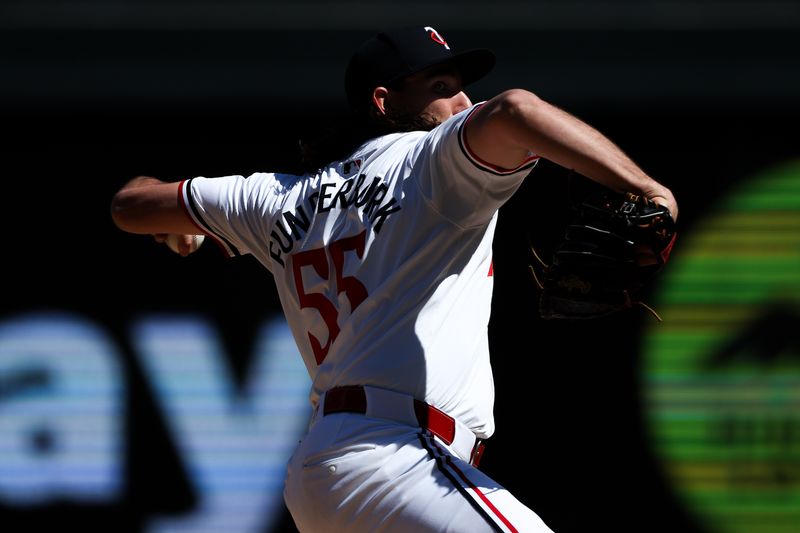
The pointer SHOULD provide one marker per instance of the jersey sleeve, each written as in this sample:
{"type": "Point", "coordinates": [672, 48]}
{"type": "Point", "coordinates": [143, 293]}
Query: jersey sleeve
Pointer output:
{"type": "Point", "coordinates": [236, 211]}
{"type": "Point", "coordinates": [456, 182]}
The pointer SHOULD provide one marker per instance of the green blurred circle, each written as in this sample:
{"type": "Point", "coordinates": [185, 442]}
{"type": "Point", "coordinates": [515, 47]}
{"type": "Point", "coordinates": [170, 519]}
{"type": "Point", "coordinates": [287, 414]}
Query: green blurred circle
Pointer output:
{"type": "Point", "coordinates": [721, 373]}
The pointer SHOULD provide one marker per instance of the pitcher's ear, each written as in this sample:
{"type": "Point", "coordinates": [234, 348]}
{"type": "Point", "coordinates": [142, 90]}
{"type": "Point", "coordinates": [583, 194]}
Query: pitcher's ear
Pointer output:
{"type": "Point", "coordinates": [379, 100]}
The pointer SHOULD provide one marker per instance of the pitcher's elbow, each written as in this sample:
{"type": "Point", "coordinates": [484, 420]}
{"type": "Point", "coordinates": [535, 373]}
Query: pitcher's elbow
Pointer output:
{"type": "Point", "coordinates": [120, 211]}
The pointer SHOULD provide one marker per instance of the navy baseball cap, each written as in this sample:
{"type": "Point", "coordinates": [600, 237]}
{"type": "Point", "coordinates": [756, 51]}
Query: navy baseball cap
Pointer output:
{"type": "Point", "coordinates": [390, 56]}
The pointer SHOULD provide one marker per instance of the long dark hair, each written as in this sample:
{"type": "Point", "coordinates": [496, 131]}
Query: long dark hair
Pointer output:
{"type": "Point", "coordinates": [341, 139]}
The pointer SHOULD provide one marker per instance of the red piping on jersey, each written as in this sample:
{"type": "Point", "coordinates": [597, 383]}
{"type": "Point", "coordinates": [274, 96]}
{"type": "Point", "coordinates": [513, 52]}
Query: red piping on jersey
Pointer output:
{"type": "Point", "coordinates": [480, 161]}
{"type": "Point", "coordinates": [188, 214]}
{"type": "Point", "coordinates": [186, 209]}
{"type": "Point", "coordinates": [491, 269]}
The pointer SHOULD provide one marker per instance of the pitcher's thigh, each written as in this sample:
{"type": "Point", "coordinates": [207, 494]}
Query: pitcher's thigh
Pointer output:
{"type": "Point", "coordinates": [397, 480]}
{"type": "Point", "coordinates": [467, 500]}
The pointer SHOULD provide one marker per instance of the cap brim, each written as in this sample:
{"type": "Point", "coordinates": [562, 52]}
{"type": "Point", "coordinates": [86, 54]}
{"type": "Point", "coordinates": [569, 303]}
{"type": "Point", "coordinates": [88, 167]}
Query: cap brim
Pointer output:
{"type": "Point", "coordinates": [471, 64]}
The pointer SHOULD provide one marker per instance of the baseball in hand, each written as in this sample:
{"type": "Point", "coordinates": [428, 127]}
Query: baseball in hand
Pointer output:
{"type": "Point", "coordinates": [172, 243]}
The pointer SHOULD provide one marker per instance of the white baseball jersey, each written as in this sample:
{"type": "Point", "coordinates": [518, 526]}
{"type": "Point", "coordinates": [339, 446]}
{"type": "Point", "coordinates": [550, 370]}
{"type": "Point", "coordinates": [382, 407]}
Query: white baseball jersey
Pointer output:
{"type": "Point", "coordinates": [383, 262]}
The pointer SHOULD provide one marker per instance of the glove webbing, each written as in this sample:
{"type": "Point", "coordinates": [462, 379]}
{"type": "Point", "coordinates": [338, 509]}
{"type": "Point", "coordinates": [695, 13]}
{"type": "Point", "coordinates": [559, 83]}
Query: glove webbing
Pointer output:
{"type": "Point", "coordinates": [545, 266]}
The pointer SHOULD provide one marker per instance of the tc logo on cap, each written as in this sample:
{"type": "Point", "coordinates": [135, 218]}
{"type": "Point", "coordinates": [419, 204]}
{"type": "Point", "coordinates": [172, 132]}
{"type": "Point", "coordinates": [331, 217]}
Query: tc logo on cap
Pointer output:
{"type": "Point", "coordinates": [436, 37]}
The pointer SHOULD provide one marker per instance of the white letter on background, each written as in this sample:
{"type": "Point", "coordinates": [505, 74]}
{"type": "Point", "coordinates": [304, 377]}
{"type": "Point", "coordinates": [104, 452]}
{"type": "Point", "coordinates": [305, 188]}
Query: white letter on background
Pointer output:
{"type": "Point", "coordinates": [61, 412]}
{"type": "Point", "coordinates": [234, 444]}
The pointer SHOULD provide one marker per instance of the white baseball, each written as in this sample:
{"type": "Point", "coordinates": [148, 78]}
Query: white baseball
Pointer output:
{"type": "Point", "coordinates": [172, 242]}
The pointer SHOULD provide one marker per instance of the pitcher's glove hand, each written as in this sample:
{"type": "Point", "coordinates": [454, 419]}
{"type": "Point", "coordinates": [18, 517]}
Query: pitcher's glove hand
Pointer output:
{"type": "Point", "coordinates": [612, 247]}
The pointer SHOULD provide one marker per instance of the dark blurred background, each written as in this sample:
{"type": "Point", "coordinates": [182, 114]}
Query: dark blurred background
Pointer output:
{"type": "Point", "coordinates": [702, 94]}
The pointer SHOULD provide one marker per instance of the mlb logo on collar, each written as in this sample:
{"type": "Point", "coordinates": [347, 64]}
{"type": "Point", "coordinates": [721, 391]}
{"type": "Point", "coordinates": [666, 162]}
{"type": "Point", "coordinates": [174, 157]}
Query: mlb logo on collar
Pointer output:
{"type": "Point", "coordinates": [350, 167]}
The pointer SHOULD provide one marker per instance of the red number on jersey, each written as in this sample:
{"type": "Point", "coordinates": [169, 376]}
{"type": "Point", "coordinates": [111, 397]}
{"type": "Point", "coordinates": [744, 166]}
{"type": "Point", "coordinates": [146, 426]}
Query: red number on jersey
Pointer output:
{"type": "Point", "coordinates": [354, 290]}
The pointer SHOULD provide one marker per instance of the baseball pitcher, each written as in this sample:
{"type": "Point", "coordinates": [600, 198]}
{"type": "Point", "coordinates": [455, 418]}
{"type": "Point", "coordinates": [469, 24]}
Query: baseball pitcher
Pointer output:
{"type": "Point", "coordinates": [382, 257]}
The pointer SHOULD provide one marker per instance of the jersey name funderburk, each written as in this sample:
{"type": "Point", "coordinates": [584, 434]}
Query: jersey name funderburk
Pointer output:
{"type": "Point", "coordinates": [344, 195]}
